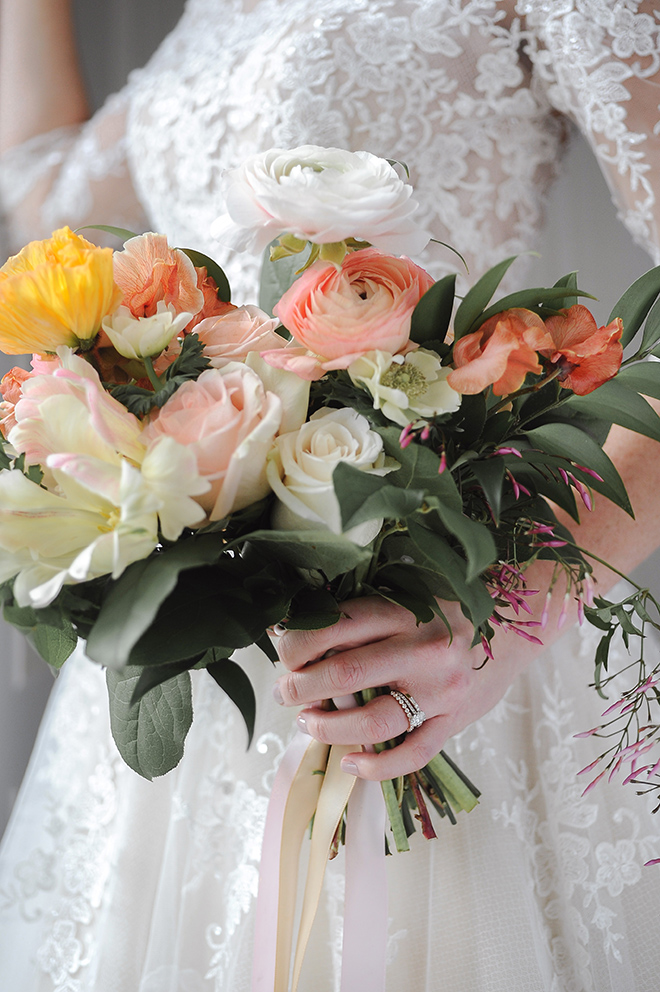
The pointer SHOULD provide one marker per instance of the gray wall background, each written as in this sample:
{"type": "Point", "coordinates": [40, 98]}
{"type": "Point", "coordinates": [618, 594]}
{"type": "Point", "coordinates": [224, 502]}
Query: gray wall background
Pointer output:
{"type": "Point", "coordinates": [581, 233]}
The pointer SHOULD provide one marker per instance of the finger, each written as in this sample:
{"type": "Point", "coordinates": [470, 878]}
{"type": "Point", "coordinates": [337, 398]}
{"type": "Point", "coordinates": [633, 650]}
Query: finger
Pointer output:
{"type": "Point", "coordinates": [417, 750]}
{"type": "Point", "coordinates": [348, 672]}
{"type": "Point", "coordinates": [362, 620]}
{"type": "Point", "coordinates": [379, 720]}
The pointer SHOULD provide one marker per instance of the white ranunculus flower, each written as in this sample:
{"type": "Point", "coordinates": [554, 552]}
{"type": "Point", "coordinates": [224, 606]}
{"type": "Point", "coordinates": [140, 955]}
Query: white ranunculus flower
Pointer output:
{"type": "Point", "coordinates": [406, 387]}
{"type": "Point", "coordinates": [301, 464]}
{"type": "Point", "coordinates": [323, 195]}
{"type": "Point", "coordinates": [144, 337]}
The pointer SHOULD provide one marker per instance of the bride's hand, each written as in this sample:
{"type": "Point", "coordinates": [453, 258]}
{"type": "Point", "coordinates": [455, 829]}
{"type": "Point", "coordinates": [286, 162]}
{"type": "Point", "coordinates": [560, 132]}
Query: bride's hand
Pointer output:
{"type": "Point", "coordinates": [378, 644]}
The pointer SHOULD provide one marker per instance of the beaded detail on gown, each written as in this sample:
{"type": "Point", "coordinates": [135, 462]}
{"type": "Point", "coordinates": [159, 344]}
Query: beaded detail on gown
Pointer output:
{"type": "Point", "coordinates": [112, 884]}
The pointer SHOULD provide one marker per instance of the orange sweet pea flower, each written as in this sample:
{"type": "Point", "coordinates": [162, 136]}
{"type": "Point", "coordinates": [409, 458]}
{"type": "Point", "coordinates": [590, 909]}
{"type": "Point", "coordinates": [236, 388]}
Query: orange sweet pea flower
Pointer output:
{"type": "Point", "coordinates": [55, 292]}
{"type": "Point", "coordinates": [501, 353]}
{"type": "Point", "coordinates": [148, 271]}
{"type": "Point", "coordinates": [587, 355]}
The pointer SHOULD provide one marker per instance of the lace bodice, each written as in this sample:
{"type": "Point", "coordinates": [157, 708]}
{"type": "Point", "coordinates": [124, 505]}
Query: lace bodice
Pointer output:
{"type": "Point", "coordinates": [474, 95]}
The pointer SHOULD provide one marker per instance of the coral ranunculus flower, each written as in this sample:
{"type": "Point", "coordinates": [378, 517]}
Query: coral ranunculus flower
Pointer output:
{"type": "Point", "coordinates": [587, 355]}
{"type": "Point", "coordinates": [501, 353]}
{"type": "Point", "coordinates": [55, 292]}
{"type": "Point", "coordinates": [148, 271]}
{"type": "Point", "coordinates": [339, 314]}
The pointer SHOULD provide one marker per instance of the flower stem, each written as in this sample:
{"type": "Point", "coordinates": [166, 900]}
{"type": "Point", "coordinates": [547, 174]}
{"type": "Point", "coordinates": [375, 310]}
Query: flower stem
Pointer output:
{"type": "Point", "coordinates": [153, 378]}
{"type": "Point", "coordinates": [523, 392]}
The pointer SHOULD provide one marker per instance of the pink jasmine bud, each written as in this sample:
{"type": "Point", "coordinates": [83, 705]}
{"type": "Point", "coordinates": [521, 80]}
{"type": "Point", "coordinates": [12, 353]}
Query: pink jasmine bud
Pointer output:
{"type": "Point", "coordinates": [589, 471]}
{"type": "Point", "coordinates": [405, 437]}
{"type": "Point", "coordinates": [564, 476]}
{"type": "Point", "coordinates": [592, 784]}
{"type": "Point", "coordinates": [487, 648]}
{"type": "Point", "coordinates": [507, 451]}
{"type": "Point", "coordinates": [425, 432]}
{"type": "Point", "coordinates": [546, 611]}
{"type": "Point", "coordinates": [580, 611]}
{"type": "Point", "coordinates": [589, 768]}
{"type": "Point", "coordinates": [516, 487]}
{"type": "Point", "coordinates": [588, 733]}
{"type": "Point", "coordinates": [443, 462]}
{"type": "Point", "coordinates": [653, 861]}
{"type": "Point", "coordinates": [584, 493]}
{"type": "Point", "coordinates": [561, 619]}
{"type": "Point", "coordinates": [528, 637]}
{"type": "Point", "coordinates": [588, 590]}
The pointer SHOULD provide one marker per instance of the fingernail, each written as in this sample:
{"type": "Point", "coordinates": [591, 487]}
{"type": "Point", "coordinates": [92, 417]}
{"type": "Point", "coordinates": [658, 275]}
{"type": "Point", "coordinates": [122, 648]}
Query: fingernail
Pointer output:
{"type": "Point", "coordinates": [349, 767]}
{"type": "Point", "coordinates": [279, 629]}
{"type": "Point", "coordinates": [302, 723]}
{"type": "Point", "coordinates": [277, 694]}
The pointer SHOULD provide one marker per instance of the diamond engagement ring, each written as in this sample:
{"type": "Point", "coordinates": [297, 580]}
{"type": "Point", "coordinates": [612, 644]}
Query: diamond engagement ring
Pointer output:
{"type": "Point", "coordinates": [416, 716]}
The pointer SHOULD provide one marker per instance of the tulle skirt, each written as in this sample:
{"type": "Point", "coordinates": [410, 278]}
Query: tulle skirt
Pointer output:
{"type": "Point", "coordinates": [111, 883]}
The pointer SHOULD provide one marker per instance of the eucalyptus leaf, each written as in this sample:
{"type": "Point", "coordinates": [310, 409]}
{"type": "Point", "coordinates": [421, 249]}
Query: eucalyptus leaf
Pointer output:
{"type": "Point", "coordinates": [419, 469]}
{"type": "Point", "coordinates": [364, 496]}
{"type": "Point", "coordinates": [477, 298]}
{"type": "Point", "coordinates": [558, 439]}
{"type": "Point", "coordinates": [635, 304]}
{"type": "Point", "coordinates": [476, 539]}
{"type": "Point", "coordinates": [277, 277]}
{"type": "Point", "coordinates": [135, 598]}
{"type": "Point", "coordinates": [620, 404]}
{"type": "Point", "coordinates": [150, 735]}
{"type": "Point", "coordinates": [232, 679]}
{"type": "Point", "coordinates": [200, 260]}
{"type": "Point", "coordinates": [489, 473]}
{"type": "Point", "coordinates": [319, 550]}
{"type": "Point", "coordinates": [432, 315]}
{"type": "Point", "coordinates": [154, 675]}
{"type": "Point", "coordinates": [436, 553]}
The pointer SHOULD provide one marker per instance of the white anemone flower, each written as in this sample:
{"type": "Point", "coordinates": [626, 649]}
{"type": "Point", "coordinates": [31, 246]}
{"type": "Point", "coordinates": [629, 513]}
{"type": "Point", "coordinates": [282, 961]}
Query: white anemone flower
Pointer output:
{"type": "Point", "coordinates": [406, 387]}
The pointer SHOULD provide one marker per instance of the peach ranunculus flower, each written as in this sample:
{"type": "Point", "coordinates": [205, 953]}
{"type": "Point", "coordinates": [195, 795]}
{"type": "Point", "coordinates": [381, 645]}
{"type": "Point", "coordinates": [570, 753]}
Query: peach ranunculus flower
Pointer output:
{"type": "Point", "coordinates": [336, 315]}
{"type": "Point", "coordinates": [587, 355]}
{"type": "Point", "coordinates": [228, 419]}
{"type": "Point", "coordinates": [11, 388]}
{"type": "Point", "coordinates": [148, 271]}
{"type": "Point", "coordinates": [231, 336]}
{"type": "Point", "coordinates": [501, 353]}
{"type": "Point", "coordinates": [55, 292]}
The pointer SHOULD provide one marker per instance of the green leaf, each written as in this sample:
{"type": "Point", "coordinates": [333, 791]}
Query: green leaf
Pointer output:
{"type": "Point", "coordinates": [232, 679]}
{"type": "Point", "coordinates": [476, 539]}
{"type": "Point", "coordinates": [568, 281]}
{"type": "Point", "coordinates": [314, 550]}
{"type": "Point", "coordinates": [277, 277]}
{"type": "Point", "coordinates": [651, 334]}
{"type": "Point", "coordinates": [155, 675]}
{"type": "Point", "coordinates": [620, 404]}
{"type": "Point", "coordinates": [489, 473]}
{"type": "Point", "coordinates": [601, 660]}
{"type": "Point", "coordinates": [135, 598]}
{"type": "Point", "coordinates": [635, 303]}
{"type": "Point", "coordinates": [571, 442]}
{"type": "Point", "coordinates": [432, 315]}
{"type": "Point", "coordinates": [312, 609]}
{"type": "Point", "coordinates": [150, 734]}
{"type": "Point", "coordinates": [477, 298]}
{"type": "Point", "coordinates": [226, 605]}
{"type": "Point", "coordinates": [364, 496]}
{"type": "Point", "coordinates": [54, 644]}
{"type": "Point", "coordinates": [419, 469]}
{"type": "Point", "coordinates": [200, 260]}
{"type": "Point", "coordinates": [434, 552]}
{"type": "Point", "coordinates": [406, 585]}
{"type": "Point", "coordinates": [119, 232]}
{"type": "Point", "coordinates": [190, 362]}
{"type": "Point", "coordinates": [643, 377]}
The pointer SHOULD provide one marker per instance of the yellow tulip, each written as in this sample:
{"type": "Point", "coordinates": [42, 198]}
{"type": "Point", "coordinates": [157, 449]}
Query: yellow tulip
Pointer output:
{"type": "Point", "coordinates": [55, 292]}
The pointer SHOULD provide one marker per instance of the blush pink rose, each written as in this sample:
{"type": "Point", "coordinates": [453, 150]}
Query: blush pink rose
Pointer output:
{"type": "Point", "coordinates": [336, 315]}
{"type": "Point", "coordinates": [148, 271]}
{"type": "Point", "coordinates": [232, 336]}
{"type": "Point", "coordinates": [229, 420]}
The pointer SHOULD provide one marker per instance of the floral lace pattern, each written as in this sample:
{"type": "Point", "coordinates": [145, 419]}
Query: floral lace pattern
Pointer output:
{"type": "Point", "coordinates": [151, 886]}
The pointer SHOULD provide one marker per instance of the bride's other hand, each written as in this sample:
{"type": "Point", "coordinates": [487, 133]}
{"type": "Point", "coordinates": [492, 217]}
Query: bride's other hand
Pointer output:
{"type": "Point", "coordinates": [378, 644]}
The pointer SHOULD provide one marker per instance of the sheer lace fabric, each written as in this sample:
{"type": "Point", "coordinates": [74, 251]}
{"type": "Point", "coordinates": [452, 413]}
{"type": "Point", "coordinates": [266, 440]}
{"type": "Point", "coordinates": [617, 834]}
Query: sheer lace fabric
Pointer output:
{"type": "Point", "coordinates": [109, 883]}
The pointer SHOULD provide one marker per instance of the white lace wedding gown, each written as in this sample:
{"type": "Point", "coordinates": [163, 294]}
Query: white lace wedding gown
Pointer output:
{"type": "Point", "coordinates": [113, 884]}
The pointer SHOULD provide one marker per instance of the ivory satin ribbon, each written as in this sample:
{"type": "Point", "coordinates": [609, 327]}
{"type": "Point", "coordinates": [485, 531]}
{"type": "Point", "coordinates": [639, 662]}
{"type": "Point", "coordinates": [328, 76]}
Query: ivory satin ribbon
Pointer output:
{"type": "Point", "coordinates": [298, 794]}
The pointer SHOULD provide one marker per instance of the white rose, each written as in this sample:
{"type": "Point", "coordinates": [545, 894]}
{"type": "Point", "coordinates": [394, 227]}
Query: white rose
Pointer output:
{"type": "Point", "coordinates": [143, 337]}
{"type": "Point", "coordinates": [323, 195]}
{"type": "Point", "coordinates": [406, 387]}
{"type": "Point", "coordinates": [301, 464]}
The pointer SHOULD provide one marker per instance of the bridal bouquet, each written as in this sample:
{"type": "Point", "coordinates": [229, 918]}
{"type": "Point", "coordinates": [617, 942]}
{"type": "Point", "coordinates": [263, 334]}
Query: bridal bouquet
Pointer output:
{"type": "Point", "coordinates": [180, 473]}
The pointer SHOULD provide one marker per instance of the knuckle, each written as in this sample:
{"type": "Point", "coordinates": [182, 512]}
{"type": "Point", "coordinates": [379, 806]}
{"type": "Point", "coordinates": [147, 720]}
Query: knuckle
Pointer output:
{"type": "Point", "coordinates": [374, 728]}
{"type": "Point", "coordinates": [290, 689]}
{"type": "Point", "coordinates": [348, 675]}
{"type": "Point", "coordinates": [294, 648]}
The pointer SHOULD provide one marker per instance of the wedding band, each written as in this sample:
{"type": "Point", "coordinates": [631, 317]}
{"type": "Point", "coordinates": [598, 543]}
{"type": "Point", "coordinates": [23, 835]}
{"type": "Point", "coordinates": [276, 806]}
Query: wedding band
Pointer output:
{"type": "Point", "coordinates": [416, 715]}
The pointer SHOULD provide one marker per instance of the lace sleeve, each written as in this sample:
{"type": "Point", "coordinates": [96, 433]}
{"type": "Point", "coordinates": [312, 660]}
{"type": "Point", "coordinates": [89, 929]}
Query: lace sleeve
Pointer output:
{"type": "Point", "coordinates": [70, 176]}
{"type": "Point", "coordinates": [599, 63]}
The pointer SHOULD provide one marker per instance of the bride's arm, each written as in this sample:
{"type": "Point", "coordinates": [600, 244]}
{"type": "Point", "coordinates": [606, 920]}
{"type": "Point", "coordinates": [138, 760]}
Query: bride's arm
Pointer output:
{"type": "Point", "coordinates": [41, 87]}
{"type": "Point", "coordinates": [56, 168]}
